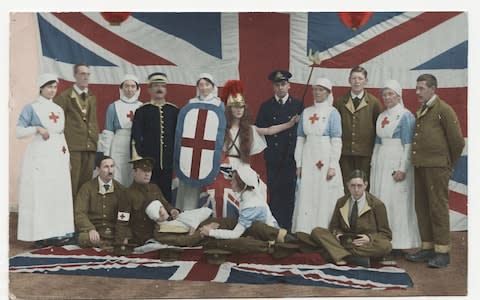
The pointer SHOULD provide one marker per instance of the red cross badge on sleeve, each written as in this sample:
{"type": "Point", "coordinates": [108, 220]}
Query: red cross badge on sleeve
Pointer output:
{"type": "Point", "coordinates": [319, 164]}
{"type": "Point", "coordinates": [123, 216]}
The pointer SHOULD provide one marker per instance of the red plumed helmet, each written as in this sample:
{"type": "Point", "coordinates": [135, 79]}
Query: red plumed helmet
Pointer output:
{"type": "Point", "coordinates": [232, 93]}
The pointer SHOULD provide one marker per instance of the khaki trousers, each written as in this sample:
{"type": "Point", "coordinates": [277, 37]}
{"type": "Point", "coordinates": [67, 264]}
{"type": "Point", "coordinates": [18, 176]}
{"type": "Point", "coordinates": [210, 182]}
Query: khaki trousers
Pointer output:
{"type": "Point", "coordinates": [82, 163]}
{"type": "Point", "coordinates": [431, 206]}
{"type": "Point", "coordinates": [324, 238]}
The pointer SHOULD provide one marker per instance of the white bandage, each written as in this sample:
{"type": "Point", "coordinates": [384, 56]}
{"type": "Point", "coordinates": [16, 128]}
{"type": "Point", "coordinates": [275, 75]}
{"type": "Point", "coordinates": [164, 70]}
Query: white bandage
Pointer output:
{"type": "Point", "coordinates": [153, 210]}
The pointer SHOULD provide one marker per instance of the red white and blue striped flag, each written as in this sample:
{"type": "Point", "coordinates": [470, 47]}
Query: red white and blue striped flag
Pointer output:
{"type": "Point", "coordinates": [261, 268]}
{"type": "Point", "coordinates": [247, 46]}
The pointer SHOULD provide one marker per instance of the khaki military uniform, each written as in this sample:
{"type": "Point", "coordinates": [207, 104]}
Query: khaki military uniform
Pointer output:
{"type": "Point", "coordinates": [81, 133]}
{"type": "Point", "coordinates": [437, 145]}
{"type": "Point", "coordinates": [96, 211]}
{"type": "Point", "coordinates": [138, 227]}
{"type": "Point", "coordinates": [358, 133]}
{"type": "Point", "coordinates": [259, 237]}
{"type": "Point", "coordinates": [372, 221]}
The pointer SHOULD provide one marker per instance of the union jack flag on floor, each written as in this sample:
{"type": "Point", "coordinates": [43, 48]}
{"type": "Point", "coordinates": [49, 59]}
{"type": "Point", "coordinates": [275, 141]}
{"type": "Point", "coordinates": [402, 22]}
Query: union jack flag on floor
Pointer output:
{"type": "Point", "coordinates": [260, 268]}
{"type": "Point", "coordinates": [247, 46]}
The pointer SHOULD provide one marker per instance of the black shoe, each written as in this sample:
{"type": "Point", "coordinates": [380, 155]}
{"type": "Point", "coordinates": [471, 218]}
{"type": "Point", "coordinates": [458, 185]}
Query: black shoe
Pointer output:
{"type": "Point", "coordinates": [420, 256]}
{"type": "Point", "coordinates": [397, 252]}
{"type": "Point", "coordinates": [290, 238]}
{"type": "Point", "coordinates": [388, 260]}
{"type": "Point", "coordinates": [40, 244]}
{"type": "Point", "coordinates": [63, 241]}
{"type": "Point", "coordinates": [440, 260]}
{"type": "Point", "coordinates": [363, 261]}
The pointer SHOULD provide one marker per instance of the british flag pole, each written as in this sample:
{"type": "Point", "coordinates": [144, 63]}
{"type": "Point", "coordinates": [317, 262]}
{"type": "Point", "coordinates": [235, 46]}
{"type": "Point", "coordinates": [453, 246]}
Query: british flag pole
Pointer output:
{"type": "Point", "coordinates": [316, 60]}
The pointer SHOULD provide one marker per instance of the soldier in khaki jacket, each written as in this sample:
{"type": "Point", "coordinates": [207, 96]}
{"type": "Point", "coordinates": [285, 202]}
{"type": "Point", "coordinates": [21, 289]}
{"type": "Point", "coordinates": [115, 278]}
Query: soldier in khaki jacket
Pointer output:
{"type": "Point", "coordinates": [81, 127]}
{"type": "Point", "coordinates": [96, 207]}
{"type": "Point", "coordinates": [437, 145]}
{"type": "Point", "coordinates": [140, 208]}
{"type": "Point", "coordinates": [359, 111]}
{"type": "Point", "coordinates": [359, 226]}
{"type": "Point", "coordinates": [144, 213]}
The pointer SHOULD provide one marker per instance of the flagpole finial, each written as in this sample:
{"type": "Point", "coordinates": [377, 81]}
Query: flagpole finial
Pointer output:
{"type": "Point", "coordinates": [315, 58]}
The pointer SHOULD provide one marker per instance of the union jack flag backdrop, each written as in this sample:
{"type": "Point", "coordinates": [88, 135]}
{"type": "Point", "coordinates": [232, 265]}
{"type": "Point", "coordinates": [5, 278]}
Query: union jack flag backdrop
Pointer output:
{"type": "Point", "coordinates": [248, 46]}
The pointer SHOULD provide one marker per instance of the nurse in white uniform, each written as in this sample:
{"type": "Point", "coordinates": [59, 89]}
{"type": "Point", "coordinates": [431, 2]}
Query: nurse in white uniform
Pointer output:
{"type": "Point", "coordinates": [391, 175]}
{"type": "Point", "coordinates": [45, 192]}
{"type": "Point", "coordinates": [115, 138]}
{"type": "Point", "coordinates": [317, 155]}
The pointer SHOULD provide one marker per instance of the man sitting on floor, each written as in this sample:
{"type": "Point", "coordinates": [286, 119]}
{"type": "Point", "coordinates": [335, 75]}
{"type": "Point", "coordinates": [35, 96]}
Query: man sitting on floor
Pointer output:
{"type": "Point", "coordinates": [142, 206]}
{"type": "Point", "coordinates": [96, 207]}
{"type": "Point", "coordinates": [144, 213]}
{"type": "Point", "coordinates": [359, 226]}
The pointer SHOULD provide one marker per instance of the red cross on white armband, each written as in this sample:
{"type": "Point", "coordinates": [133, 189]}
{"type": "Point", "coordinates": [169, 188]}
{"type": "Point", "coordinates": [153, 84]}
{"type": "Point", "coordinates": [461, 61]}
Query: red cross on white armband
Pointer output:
{"type": "Point", "coordinates": [123, 216]}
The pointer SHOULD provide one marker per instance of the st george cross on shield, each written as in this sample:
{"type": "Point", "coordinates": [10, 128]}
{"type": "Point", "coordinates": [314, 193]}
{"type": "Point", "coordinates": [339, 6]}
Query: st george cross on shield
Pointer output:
{"type": "Point", "coordinates": [199, 142]}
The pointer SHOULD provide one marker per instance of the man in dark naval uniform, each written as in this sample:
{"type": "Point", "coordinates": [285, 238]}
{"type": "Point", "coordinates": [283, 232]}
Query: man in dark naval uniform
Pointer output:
{"type": "Point", "coordinates": [281, 169]}
{"type": "Point", "coordinates": [141, 206]}
{"type": "Point", "coordinates": [153, 132]}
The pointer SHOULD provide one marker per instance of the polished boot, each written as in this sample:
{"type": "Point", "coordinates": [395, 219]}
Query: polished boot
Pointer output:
{"type": "Point", "coordinates": [440, 260]}
{"type": "Point", "coordinates": [423, 255]}
{"type": "Point", "coordinates": [363, 261]}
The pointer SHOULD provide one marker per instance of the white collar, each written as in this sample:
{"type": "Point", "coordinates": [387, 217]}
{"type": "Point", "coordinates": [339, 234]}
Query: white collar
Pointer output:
{"type": "Point", "coordinates": [431, 100]}
{"type": "Point", "coordinates": [284, 99]}
{"type": "Point", "coordinates": [101, 187]}
{"type": "Point", "coordinates": [79, 91]}
{"type": "Point", "coordinates": [360, 96]}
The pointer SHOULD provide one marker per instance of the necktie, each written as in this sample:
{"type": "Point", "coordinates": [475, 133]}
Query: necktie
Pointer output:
{"type": "Point", "coordinates": [107, 187]}
{"type": "Point", "coordinates": [84, 96]}
{"type": "Point", "coordinates": [356, 102]}
{"type": "Point", "coordinates": [353, 216]}
{"type": "Point", "coordinates": [280, 101]}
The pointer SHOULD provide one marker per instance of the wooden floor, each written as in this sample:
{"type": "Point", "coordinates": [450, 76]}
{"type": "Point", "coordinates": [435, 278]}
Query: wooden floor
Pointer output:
{"type": "Point", "coordinates": [451, 281]}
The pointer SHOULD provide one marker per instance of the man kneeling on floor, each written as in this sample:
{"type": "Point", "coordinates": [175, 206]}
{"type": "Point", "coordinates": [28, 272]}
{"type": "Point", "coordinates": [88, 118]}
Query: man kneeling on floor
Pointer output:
{"type": "Point", "coordinates": [359, 227]}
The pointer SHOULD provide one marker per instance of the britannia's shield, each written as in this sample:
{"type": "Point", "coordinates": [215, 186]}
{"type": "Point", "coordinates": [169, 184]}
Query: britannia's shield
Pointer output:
{"type": "Point", "coordinates": [199, 143]}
